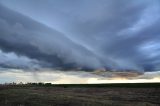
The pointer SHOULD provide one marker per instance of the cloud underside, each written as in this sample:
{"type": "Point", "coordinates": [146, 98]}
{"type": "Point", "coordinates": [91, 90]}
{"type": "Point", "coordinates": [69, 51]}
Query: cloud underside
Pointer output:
{"type": "Point", "coordinates": [84, 35]}
{"type": "Point", "coordinates": [73, 77]}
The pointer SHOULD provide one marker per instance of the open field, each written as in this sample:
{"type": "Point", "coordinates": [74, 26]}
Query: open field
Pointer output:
{"type": "Point", "coordinates": [81, 95]}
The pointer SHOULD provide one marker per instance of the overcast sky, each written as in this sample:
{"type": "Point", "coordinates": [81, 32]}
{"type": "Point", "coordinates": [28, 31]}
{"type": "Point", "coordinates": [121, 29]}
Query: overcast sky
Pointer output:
{"type": "Point", "coordinates": [80, 34]}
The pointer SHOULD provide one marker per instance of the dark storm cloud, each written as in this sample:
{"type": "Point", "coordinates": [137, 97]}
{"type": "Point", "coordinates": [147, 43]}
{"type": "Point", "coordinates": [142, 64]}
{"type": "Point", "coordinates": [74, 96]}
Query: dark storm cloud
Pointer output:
{"type": "Point", "coordinates": [116, 34]}
{"type": "Point", "coordinates": [24, 36]}
{"type": "Point", "coordinates": [11, 60]}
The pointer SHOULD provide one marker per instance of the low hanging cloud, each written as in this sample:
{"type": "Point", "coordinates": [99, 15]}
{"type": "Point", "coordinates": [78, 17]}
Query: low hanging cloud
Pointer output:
{"type": "Point", "coordinates": [109, 34]}
{"type": "Point", "coordinates": [11, 60]}
{"type": "Point", "coordinates": [76, 77]}
{"type": "Point", "coordinates": [24, 36]}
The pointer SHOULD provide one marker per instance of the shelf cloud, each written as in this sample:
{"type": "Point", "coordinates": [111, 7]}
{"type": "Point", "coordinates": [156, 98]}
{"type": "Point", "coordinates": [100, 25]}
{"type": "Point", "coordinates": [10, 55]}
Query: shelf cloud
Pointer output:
{"type": "Point", "coordinates": [85, 35]}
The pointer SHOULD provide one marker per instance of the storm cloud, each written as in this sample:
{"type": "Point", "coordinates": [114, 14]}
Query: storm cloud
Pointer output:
{"type": "Point", "coordinates": [85, 34]}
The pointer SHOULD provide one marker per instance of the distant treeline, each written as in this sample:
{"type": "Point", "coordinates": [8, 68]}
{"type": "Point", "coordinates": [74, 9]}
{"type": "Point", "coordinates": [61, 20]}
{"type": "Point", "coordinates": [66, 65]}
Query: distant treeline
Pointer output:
{"type": "Point", "coordinates": [27, 84]}
{"type": "Point", "coordinates": [121, 85]}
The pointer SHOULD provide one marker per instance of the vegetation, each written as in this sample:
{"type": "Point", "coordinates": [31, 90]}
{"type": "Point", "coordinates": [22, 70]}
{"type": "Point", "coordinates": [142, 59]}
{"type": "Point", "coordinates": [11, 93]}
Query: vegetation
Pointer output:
{"type": "Point", "coordinates": [47, 94]}
{"type": "Point", "coordinates": [124, 85]}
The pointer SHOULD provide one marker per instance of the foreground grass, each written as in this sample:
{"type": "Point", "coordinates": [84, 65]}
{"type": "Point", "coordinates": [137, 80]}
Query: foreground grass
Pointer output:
{"type": "Point", "coordinates": [79, 96]}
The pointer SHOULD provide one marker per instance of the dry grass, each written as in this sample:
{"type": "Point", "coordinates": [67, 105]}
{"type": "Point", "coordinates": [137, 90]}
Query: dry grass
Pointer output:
{"type": "Point", "coordinates": [51, 96]}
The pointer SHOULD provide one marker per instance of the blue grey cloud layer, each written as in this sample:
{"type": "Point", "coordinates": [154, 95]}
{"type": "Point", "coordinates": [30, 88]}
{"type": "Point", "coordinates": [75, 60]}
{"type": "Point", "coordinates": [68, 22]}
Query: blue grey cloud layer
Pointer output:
{"type": "Point", "coordinates": [114, 34]}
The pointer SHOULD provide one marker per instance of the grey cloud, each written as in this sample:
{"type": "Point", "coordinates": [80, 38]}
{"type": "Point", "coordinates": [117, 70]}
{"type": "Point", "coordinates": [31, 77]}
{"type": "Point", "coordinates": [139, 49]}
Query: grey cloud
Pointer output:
{"type": "Point", "coordinates": [93, 33]}
{"type": "Point", "coordinates": [24, 36]}
{"type": "Point", "coordinates": [11, 60]}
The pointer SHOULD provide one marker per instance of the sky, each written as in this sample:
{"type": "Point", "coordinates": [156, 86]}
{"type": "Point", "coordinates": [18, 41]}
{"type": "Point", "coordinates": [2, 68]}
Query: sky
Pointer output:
{"type": "Point", "coordinates": [91, 41]}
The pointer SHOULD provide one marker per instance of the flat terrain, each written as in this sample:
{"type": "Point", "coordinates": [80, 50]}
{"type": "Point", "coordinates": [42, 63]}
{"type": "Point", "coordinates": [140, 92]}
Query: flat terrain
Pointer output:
{"type": "Point", "coordinates": [79, 96]}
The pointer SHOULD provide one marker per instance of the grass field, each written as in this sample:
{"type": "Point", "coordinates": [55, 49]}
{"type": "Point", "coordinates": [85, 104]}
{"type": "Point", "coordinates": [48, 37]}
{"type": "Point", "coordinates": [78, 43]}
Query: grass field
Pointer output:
{"type": "Point", "coordinates": [81, 95]}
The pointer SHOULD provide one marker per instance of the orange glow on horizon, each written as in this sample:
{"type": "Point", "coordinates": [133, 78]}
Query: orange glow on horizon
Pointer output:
{"type": "Point", "coordinates": [59, 77]}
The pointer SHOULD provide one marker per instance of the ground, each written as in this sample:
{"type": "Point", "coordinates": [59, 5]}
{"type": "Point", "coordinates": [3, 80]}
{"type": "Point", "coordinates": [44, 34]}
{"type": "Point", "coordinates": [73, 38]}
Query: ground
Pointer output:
{"type": "Point", "coordinates": [79, 96]}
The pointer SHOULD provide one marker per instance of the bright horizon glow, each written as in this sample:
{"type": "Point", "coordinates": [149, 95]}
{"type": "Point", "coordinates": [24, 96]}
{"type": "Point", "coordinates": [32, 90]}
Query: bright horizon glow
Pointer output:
{"type": "Point", "coordinates": [122, 80]}
{"type": "Point", "coordinates": [58, 77]}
